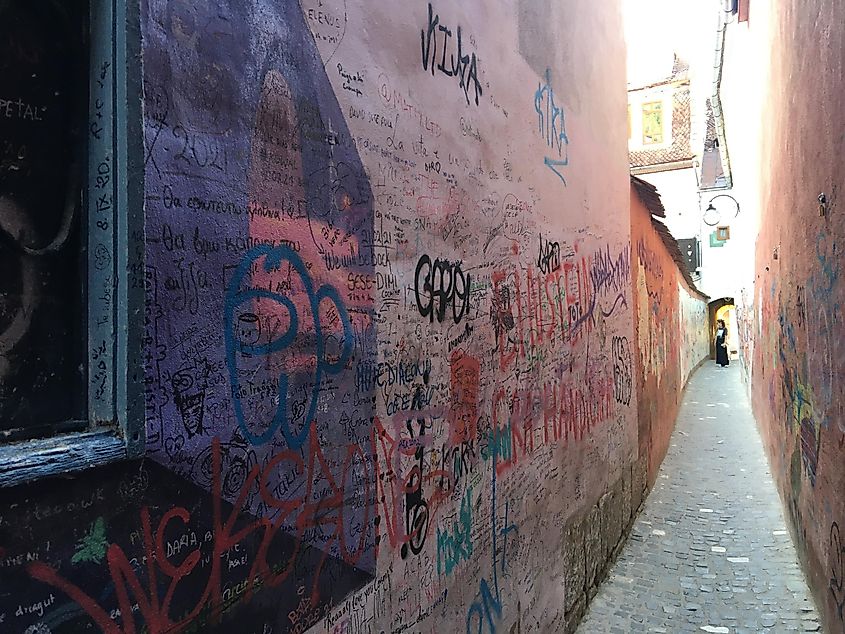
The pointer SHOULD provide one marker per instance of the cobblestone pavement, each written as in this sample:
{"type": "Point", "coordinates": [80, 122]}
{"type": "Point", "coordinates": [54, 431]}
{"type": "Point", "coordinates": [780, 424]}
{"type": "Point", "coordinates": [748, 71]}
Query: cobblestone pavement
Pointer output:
{"type": "Point", "coordinates": [710, 551]}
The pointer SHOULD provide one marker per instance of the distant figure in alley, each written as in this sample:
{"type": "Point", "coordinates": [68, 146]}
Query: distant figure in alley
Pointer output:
{"type": "Point", "coordinates": [722, 344]}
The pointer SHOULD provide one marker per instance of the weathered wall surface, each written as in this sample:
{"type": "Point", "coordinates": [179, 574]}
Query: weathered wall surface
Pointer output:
{"type": "Point", "coordinates": [388, 331]}
{"type": "Point", "coordinates": [798, 365]}
{"type": "Point", "coordinates": [671, 333]}
{"type": "Point", "coordinates": [694, 332]}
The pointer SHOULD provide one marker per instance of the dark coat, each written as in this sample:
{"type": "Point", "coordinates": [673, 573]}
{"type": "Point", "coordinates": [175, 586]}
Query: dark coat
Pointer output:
{"type": "Point", "coordinates": [722, 357]}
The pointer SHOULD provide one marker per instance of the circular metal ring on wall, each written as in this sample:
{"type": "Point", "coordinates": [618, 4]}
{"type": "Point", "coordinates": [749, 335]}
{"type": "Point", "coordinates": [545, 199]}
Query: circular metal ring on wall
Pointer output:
{"type": "Point", "coordinates": [713, 214]}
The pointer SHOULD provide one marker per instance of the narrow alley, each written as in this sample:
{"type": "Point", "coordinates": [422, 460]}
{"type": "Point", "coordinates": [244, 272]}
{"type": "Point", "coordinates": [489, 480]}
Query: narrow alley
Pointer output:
{"type": "Point", "coordinates": [710, 551]}
{"type": "Point", "coordinates": [367, 317]}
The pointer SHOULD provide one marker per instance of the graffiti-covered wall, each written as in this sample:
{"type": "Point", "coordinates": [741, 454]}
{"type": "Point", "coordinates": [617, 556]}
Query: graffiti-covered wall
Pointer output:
{"type": "Point", "coordinates": [796, 314]}
{"type": "Point", "coordinates": [671, 325]}
{"type": "Point", "coordinates": [388, 330]}
{"type": "Point", "coordinates": [695, 331]}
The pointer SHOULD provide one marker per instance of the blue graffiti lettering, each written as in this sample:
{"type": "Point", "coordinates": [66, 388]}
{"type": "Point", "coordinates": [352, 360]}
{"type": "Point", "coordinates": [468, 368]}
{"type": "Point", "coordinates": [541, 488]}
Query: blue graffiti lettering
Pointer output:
{"type": "Point", "coordinates": [551, 122]}
{"type": "Point", "coordinates": [488, 607]}
{"type": "Point", "coordinates": [610, 274]}
{"type": "Point", "coordinates": [237, 297]}
{"type": "Point", "coordinates": [455, 546]}
{"type": "Point", "coordinates": [829, 265]}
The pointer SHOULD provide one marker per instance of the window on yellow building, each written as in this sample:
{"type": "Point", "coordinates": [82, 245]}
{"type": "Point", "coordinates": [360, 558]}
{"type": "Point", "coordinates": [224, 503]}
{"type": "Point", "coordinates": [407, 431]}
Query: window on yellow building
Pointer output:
{"type": "Point", "coordinates": [653, 123]}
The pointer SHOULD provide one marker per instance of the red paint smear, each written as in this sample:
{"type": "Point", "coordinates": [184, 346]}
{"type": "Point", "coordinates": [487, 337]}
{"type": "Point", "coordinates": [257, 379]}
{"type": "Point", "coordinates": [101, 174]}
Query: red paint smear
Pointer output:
{"type": "Point", "coordinates": [327, 513]}
{"type": "Point", "coordinates": [463, 416]}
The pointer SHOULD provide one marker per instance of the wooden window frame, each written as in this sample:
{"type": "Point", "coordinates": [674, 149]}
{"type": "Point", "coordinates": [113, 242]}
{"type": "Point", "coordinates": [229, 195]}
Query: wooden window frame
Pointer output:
{"type": "Point", "coordinates": [114, 225]}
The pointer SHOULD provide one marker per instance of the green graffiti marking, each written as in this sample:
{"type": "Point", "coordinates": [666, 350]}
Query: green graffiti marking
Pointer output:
{"type": "Point", "coordinates": [92, 547]}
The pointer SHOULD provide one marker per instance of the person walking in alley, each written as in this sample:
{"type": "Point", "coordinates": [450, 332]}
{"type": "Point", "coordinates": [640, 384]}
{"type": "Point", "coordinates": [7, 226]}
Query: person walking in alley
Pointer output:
{"type": "Point", "coordinates": [722, 344]}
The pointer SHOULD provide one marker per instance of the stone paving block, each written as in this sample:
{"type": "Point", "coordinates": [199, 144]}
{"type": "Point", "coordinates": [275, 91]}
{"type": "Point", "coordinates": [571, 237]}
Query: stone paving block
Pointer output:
{"type": "Point", "coordinates": [709, 548]}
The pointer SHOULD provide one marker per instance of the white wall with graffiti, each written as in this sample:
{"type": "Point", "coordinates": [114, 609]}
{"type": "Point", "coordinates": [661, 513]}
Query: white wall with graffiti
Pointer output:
{"type": "Point", "coordinates": [695, 333]}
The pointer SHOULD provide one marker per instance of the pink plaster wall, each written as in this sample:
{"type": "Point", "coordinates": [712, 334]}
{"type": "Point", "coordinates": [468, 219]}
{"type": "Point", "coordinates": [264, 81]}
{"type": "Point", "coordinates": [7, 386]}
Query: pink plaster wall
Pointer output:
{"type": "Point", "coordinates": [670, 321]}
{"type": "Point", "coordinates": [796, 319]}
{"type": "Point", "coordinates": [548, 252]}
{"type": "Point", "coordinates": [390, 378]}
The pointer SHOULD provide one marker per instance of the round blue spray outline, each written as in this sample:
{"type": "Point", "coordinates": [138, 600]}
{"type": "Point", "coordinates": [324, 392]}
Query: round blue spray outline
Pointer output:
{"type": "Point", "coordinates": [273, 258]}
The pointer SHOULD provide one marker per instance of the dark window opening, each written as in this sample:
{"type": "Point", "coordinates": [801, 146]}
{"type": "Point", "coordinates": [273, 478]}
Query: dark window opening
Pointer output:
{"type": "Point", "coordinates": [44, 56]}
{"type": "Point", "coordinates": [692, 254]}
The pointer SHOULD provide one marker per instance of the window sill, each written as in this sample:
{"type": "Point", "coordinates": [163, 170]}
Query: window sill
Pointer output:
{"type": "Point", "coordinates": [29, 460]}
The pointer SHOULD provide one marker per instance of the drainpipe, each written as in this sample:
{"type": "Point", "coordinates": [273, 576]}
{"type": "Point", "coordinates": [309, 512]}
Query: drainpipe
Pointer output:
{"type": "Point", "coordinates": [716, 100]}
